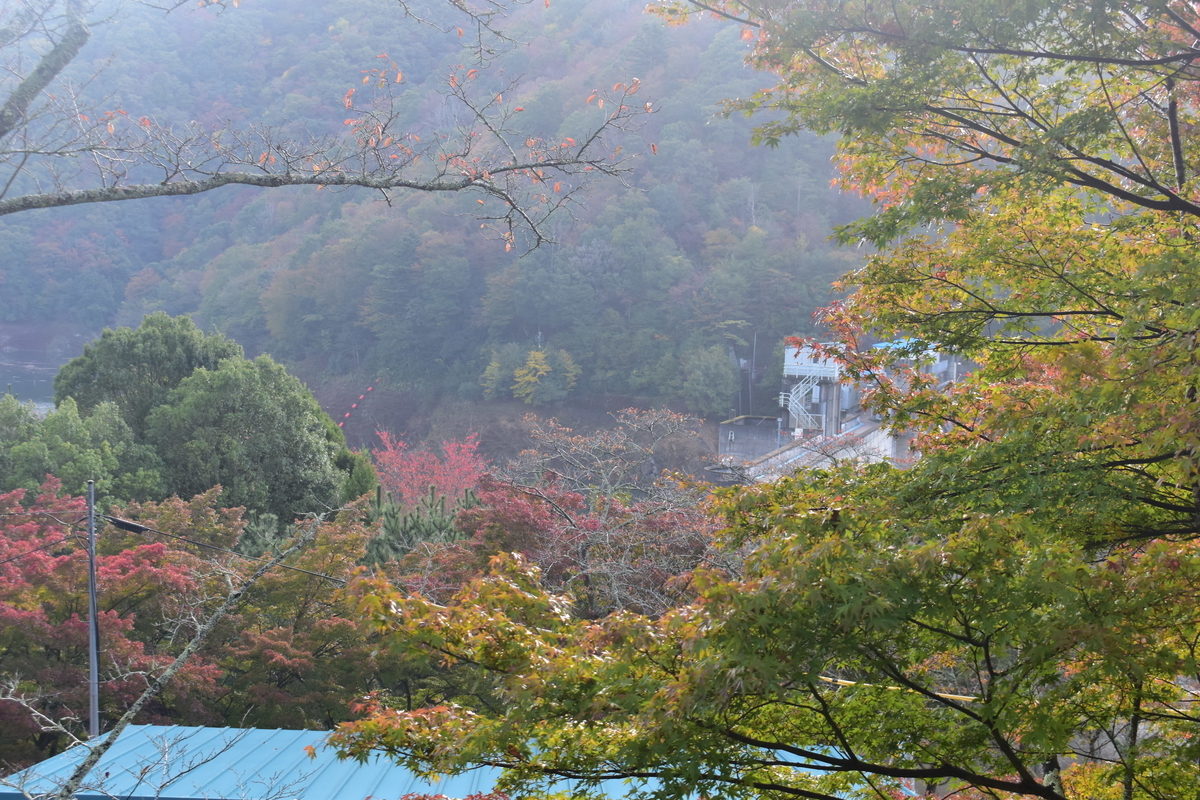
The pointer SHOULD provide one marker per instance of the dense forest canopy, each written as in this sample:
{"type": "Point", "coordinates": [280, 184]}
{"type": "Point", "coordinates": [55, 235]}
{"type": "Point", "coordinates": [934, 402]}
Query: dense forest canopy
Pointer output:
{"type": "Point", "coordinates": [645, 290]}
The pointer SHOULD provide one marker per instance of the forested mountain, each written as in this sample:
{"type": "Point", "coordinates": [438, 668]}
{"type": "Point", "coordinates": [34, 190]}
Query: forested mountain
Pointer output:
{"type": "Point", "coordinates": [644, 293]}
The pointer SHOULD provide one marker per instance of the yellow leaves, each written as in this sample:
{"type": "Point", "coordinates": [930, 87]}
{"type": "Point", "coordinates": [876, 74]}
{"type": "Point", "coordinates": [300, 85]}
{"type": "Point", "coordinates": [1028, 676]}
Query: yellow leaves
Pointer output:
{"type": "Point", "coordinates": [537, 366]}
{"type": "Point", "coordinates": [366, 79]}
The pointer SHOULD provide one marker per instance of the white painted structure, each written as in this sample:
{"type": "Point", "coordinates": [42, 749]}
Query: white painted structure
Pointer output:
{"type": "Point", "coordinates": [816, 381]}
{"type": "Point", "coordinates": [826, 421]}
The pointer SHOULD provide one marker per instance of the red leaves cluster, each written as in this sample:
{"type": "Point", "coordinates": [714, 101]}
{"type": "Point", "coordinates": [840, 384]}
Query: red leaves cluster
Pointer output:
{"type": "Point", "coordinates": [43, 620]}
{"type": "Point", "coordinates": [408, 473]}
{"type": "Point", "coordinates": [607, 553]}
{"type": "Point", "coordinates": [291, 656]}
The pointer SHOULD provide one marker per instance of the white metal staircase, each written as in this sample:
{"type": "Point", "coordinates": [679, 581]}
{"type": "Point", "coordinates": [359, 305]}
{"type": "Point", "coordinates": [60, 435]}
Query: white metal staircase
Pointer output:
{"type": "Point", "coordinates": [809, 369]}
{"type": "Point", "coordinates": [798, 401]}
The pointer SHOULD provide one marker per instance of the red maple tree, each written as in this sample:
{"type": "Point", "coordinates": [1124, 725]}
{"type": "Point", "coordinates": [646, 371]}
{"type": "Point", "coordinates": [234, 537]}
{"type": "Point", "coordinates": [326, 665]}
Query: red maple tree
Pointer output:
{"type": "Point", "coordinates": [408, 473]}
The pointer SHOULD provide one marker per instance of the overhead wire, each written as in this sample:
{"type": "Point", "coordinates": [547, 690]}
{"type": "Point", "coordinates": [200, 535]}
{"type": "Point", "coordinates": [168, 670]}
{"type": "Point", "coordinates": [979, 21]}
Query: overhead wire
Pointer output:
{"type": "Point", "coordinates": [51, 514]}
{"type": "Point", "coordinates": [137, 527]}
{"type": "Point", "coordinates": [36, 549]}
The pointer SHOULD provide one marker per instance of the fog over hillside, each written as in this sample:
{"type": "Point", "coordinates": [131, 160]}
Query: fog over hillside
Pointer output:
{"type": "Point", "coordinates": [712, 251]}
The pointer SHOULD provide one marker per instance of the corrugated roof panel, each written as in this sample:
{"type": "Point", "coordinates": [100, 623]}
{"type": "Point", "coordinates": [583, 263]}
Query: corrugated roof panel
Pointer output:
{"type": "Point", "coordinates": [151, 762]}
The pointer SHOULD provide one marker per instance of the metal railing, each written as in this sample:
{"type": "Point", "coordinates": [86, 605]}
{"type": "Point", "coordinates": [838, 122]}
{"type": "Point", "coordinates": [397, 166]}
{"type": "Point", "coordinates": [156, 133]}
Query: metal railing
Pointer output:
{"type": "Point", "coordinates": [798, 400]}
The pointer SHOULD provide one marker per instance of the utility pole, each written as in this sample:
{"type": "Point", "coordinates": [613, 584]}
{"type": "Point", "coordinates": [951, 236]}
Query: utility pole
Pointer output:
{"type": "Point", "coordinates": [753, 359]}
{"type": "Point", "coordinates": [93, 620]}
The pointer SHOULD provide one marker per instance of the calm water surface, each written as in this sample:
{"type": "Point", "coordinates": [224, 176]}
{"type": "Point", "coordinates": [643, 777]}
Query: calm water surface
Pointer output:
{"type": "Point", "coordinates": [30, 357]}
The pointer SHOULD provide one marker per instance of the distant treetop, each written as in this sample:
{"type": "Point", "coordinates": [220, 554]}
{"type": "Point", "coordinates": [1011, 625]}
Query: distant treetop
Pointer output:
{"type": "Point", "coordinates": [137, 368]}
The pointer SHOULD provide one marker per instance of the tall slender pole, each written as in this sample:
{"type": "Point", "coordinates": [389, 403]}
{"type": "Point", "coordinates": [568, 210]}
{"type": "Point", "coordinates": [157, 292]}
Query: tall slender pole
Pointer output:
{"type": "Point", "coordinates": [753, 359]}
{"type": "Point", "coordinates": [93, 621]}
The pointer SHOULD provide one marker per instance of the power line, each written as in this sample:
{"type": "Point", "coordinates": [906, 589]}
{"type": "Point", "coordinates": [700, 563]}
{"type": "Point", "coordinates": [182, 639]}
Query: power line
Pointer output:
{"type": "Point", "coordinates": [36, 549]}
{"type": "Point", "coordinates": [51, 514]}
{"type": "Point", "coordinates": [136, 527]}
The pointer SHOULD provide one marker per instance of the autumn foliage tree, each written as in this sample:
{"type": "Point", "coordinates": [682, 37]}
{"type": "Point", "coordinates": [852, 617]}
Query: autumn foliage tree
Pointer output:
{"type": "Point", "coordinates": [410, 473]}
{"type": "Point", "coordinates": [590, 509]}
{"type": "Point", "coordinates": [543, 377]}
{"type": "Point", "coordinates": [149, 590]}
{"type": "Point", "coordinates": [940, 101]}
{"type": "Point", "coordinates": [1012, 615]}
{"type": "Point", "coordinates": [292, 654]}
{"type": "Point", "coordinates": [843, 662]}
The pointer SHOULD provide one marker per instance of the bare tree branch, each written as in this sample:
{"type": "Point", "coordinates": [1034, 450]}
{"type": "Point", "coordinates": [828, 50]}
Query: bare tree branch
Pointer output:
{"type": "Point", "coordinates": [63, 53]}
{"type": "Point", "coordinates": [57, 149]}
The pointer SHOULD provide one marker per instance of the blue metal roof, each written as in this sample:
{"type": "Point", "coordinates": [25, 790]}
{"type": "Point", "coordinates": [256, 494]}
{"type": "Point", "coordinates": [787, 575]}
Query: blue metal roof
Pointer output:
{"type": "Point", "coordinates": [152, 762]}
{"type": "Point", "coordinates": [156, 762]}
